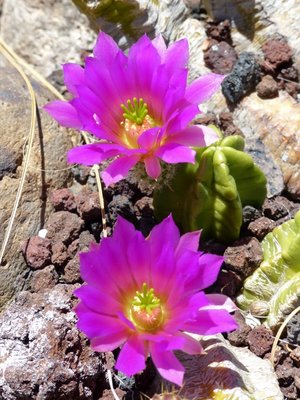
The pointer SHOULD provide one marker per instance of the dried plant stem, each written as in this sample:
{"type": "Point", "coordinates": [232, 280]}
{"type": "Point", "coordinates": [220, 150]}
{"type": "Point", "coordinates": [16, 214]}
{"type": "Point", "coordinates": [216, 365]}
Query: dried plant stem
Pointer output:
{"type": "Point", "coordinates": [101, 199]}
{"type": "Point", "coordinates": [109, 377]}
{"type": "Point", "coordinates": [12, 61]}
{"type": "Point", "coordinates": [279, 333]}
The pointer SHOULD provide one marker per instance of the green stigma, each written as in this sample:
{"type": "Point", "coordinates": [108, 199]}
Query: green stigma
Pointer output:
{"type": "Point", "coordinates": [135, 111]}
{"type": "Point", "coordinates": [146, 299]}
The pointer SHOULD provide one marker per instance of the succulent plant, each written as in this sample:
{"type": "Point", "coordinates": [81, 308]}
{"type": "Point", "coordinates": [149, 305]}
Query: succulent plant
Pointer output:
{"type": "Point", "coordinates": [210, 195]}
{"type": "Point", "coordinates": [277, 280]}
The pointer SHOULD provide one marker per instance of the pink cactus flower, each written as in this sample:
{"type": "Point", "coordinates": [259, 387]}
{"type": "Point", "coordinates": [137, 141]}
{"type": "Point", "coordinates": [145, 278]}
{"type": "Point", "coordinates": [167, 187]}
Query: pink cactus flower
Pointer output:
{"type": "Point", "coordinates": [140, 105]}
{"type": "Point", "coordinates": [145, 294]}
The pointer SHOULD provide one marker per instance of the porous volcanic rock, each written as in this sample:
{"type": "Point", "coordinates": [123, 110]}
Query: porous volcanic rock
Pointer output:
{"type": "Point", "coordinates": [43, 356]}
{"type": "Point", "coordinates": [46, 171]}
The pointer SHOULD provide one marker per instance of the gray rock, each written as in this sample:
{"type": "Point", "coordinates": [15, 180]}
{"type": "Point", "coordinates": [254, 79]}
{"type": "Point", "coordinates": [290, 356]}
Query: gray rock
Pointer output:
{"type": "Point", "coordinates": [228, 372]}
{"type": "Point", "coordinates": [43, 356]}
{"type": "Point", "coordinates": [46, 33]}
{"type": "Point", "coordinates": [49, 153]}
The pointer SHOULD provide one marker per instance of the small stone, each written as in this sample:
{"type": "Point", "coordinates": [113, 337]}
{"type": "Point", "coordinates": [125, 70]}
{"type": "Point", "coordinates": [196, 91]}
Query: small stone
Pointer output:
{"type": "Point", "coordinates": [267, 88]}
{"type": "Point", "coordinates": [295, 356]}
{"type": "Point", "coordinates": [64, 227]}
{"type": "Point", "coordinates": [220, 57]}
{"type": "Point", "coordinates": [8, 162]}
{"type": "Point", "coordinates": [260, 340]}
{"type": "Point", "coordinates": [244, 256]}
{"type": "Point", "coordinates": [292, 88]}
{"type": "Point", "coordinates": [289, 392]}
{"type": "Point", "coordinates": [37, 252]}
{"type": "Point", "coordinates": [71, 272]}
{"type": "Point", "coordinates": [293, 330]}
{"type": "Point", "coordinates": [63, 200]}
{"type": "Point", "coordinates": [284, 372]}
{"type": "Point", "coordinates": [219, 31]}
{"type": "Point", "coordinates": [81, 173]}
{"type": "Point", "coordinates": [44, 279]}
{"type": "Point", "coordinates": [260, 227]}
{"type": "Point", "coordinates": [206, 119]}
{"type": "Point", "coordinates": [229, 283]}
{"type": "Point", "coordinates": [275, 209]}
{"type": "Point", "coordinates": [243, 78]}
{"type": "Point", "coordinates": [81, 244]}
{"type": "Point", "coordinates": [88, 205]}
{"type": "Point", "coordinates": [239, 336]}
{"type": "Point", "coordinates": [277, 52]}
{"type": "Point", "coordinates": [121, 205]}
{"type": "Point", "coordinates": [107, 394]}
{"type": "Point", "coordinates": [59, 254]}
{"type": "Point", "coordinates": [297, 378]}
{"type": "Point", "coordinates": [227, 125]}
{"type": "Point", "coordinates": [259, 308]}
{"type": "Point", "coordinates": [250, 214]}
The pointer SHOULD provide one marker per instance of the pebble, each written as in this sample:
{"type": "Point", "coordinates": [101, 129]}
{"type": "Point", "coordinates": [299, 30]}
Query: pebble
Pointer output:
{"type": "Point", "coordinates": [260, 227]}
{"type": "Point", "coordinates": [260, 340]}
{"type": "Point", "coordinates": [220, 57]}
{"type": "Point", "coordinates": [37, 252]}
{"type": "Point", "coordinates": [244, 256]}
{"type": "Point", "coordinates": [267, 88]}
{"type": "Point", "coordinates": [243, 78]}
{"type": "Point", "coordinates": [63, 200]}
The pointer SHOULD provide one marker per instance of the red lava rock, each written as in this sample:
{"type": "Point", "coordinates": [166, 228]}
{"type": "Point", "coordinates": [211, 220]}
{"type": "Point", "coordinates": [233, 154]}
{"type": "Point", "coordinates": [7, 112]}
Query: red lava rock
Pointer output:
{"type": "Point", "coordinates": [285, 372]}
{"type": "Point", "coordinates": [37, 252]}
{"type": "Point", "coordinates": [277, 52]}
{"type": "Point", "coordinates": [292, 88]}
{"type": "Point", "coordinates": [227, 125]}
{"type": "Point", "coordinates": [81, 244]}
{"type": "Point", "coordinates": [276, 208]}
{"type": "Point", "coordinates": [88, 205]}
{"type": "Point", "coordinates": [220, 57]}
{"type": "Point", "coordinates": [297, 378]}
{"type": "Point", "coordinates": [295, 356]}
{"type": "Point", "coordinates": [260, 340]}
{"type": "Point", "coordinates": [63, 200]}
{"type": "Point", "coordinates": [244, 256]}
{"type": "Point", "coordinates": [107, 394]}
{"type": "Point", "coordinates": [64, 227]}
{"type": "Point", "coordinates": [59, 253]}
{"type": "Point", "coordinates": [47, 358]}
{"type": "Point", "coordinates": [206, 119]}
{"type": "Point", "coordinates": [229, 283]}
{"type": "Point", "coordinates": [44, 279]}
{"type": "Point", "coordinates": [260, 227]}
{"type": "Point", "coordinates": [219, 31]}
{"type": "Point", "coordinates": [289, 392]}
{"type": "Point", "coordinates": [71, 273]}
{"type": "Point", "coordinates": [239, 336]}
{"type": "Point", "coordinates": [267, 87]}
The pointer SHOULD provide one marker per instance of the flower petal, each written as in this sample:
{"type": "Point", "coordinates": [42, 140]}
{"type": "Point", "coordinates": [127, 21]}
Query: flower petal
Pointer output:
{"type": "Point", "coordinates": [73, 76]}
{"type": "Point", "coordinates": [210, 135]}
{"type": "Point", "coordinates": [188, 241]}
{"type": "Point", "coordinates": [153, 168]}
{"type": "Point", "coordinates": [94, 153]}
{"type": "Point", "coordinates": [106, 49]}
{"type": "Point", "coordinates": [203, 88]}
{"type": "Point", "coordinates": [173, 153]}
{"type": "Point", "coordinates": [119, 168]}
{"type": "Point", "coordinates": [191, 136]}
{"type": "Point", "coordinates": [132, 358]}
{"type": "Point", "coordinates": [220, 301]}
{"type": "Point", "coordinates": [64, 113]}
{"type": "Point", "coordinates": [177, 55]}
{"type": "Point", "coordinates": [109, 342]}
{"type": "Point", "coordinates": [167, 364]}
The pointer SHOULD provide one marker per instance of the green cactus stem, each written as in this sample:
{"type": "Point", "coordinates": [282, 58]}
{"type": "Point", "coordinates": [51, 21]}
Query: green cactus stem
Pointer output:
{"type": "Point", "coordinates": [277, 280]}
{"type": "Point", "coordinates": [210, 195]}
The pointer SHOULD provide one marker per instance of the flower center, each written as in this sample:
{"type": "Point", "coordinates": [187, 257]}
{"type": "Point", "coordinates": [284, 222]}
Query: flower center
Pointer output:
{"type": "Point", "coordinates": [135, 111]}
{"type": "Point", "coordinates": [146, 311]}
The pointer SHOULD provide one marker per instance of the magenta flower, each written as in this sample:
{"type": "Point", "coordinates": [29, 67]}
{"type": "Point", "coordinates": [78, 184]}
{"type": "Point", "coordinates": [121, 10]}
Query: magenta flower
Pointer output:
{"type": "Point", "coordinates": [139, 104]}
{"type": "Point", "coordinates": [144, 294]}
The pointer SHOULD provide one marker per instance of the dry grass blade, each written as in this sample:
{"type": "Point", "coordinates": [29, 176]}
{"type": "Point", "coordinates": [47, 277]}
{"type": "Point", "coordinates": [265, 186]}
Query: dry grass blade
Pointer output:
{"type": "Point", "coordinates": [12, 61]}
{"type": "Point", "coordinates": [101, 199]}
{"type": "Point", "coordinates": [279, 333]}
